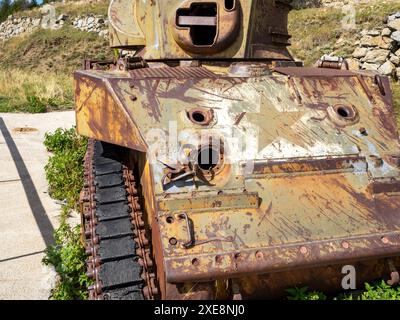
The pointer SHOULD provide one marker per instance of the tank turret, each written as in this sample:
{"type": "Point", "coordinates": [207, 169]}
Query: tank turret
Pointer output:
{"type": "Point", "coordinates": [185, 29]}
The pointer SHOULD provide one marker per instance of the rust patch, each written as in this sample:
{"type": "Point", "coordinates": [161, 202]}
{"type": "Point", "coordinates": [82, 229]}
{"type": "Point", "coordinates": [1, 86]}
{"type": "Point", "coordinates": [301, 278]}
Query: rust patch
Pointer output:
{"type": "Point", "coordinates": [307, 165]}
{"type": "Point", "coordinates": [174, 73]}
{"type": "Point", "coordinates": [388, 186]}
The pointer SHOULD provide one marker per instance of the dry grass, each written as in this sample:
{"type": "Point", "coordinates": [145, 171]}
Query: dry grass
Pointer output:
{"type": "Point", "coordinates": [36, 69]}
{"type": "Point", "coordinates": [373, 15]}
{"type": "Point", "coordinates": [314, 33]}
{"type": "Point", "coordinates": [396, 100]}
{"type": "Point", "coordinates": [24, 91]}
{"type": "Point", "coordinates": [99, 7]}
{"type": "Point", "coordinates": [71, 8]}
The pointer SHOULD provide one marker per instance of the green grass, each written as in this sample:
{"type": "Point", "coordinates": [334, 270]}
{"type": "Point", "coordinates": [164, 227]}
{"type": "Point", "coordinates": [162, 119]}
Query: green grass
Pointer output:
{"type": "Point", "coordinates": [68, 258]}
{"type": "Point", "coordinates": [64, 173]}
{"type": "Point", "coordinates": [64, 170]}
{"type": "Point", "coordinates": [377, 291]}
{"type": "Point", "coordinates": [304, 294]}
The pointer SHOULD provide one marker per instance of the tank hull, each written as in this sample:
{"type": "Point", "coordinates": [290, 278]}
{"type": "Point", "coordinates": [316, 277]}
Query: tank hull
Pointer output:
{"type": "Point", "coordinates": [307, 179]}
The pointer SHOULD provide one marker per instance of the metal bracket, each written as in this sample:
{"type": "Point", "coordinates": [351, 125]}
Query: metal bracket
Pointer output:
{"type": "Point", "coordinates": [332, 62]}
{"type": "Point", "coordinates": [98, 64]}
{"type": "Point", "coordinates": [131, 63]}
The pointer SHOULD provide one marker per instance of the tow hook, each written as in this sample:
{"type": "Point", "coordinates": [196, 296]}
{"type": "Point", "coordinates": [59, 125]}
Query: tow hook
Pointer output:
{"type": "Point", "coordinates": [394, 274]}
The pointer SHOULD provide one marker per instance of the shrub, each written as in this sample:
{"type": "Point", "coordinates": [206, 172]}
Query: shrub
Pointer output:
{"type": "Point", "coordinates": [64, 172]}
{"type": "Point", "coordinates": [68, 257]}
{"type": "Point", "coordinates": [303, 294]}
{"type": "Point", "coordinates": [378, 291]}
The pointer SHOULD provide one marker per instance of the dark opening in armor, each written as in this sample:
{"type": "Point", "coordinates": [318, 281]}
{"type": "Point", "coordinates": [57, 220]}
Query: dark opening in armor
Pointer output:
{"type": "Point", "coordinates": [208, 158]}
{"type": "Point", "coordinates": [229, 4]}
{"type": "Point", "coordinates": [202, 20]}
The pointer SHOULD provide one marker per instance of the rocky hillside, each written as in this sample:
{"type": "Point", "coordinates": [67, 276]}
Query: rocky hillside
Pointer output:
{"type": "Point", "coordinates": [30, 47]}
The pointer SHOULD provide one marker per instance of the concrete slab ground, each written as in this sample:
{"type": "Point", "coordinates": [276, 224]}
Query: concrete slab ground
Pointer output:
{"type": "Point", "coordinates": [28, 215]}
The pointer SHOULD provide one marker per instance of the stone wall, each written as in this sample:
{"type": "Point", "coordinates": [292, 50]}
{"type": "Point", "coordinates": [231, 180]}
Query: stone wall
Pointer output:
{"type": "Point", "coordinates": [301, 4]}
{"type": "Point", "coordinates": [14, 26]}
{"type": "Point", "coordinates": [92, 23]}
{"type": "Point", "coordinates": [378, 49]}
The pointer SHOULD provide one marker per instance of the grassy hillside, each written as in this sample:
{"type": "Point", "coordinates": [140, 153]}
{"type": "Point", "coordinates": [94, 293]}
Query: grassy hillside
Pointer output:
{"type": "Point", "coordinates": [38, 67]}
{"type": "Point", "coordinates": [56, 51]}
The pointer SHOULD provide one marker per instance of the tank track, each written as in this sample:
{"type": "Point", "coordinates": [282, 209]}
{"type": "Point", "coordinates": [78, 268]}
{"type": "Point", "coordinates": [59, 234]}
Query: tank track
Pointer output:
{"type": "Point", "coordinates": [115, 235]}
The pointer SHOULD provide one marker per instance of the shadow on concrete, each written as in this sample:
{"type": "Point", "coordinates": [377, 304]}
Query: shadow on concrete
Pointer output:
{"type": "Point", "coordinates": [22, 256]}
{"type": "Point", "coordinates": [39, 213]}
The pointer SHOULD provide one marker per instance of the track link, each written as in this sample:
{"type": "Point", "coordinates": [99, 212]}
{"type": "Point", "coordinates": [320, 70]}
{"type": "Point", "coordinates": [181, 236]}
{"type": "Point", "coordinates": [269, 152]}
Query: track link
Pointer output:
{"type": "Point", "coordinates": [119, 254]}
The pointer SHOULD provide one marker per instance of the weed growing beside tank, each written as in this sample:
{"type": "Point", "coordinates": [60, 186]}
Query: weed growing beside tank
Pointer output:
{"type": "Point", "coordinates": [377, 291]}
{"type": "Point", "coordinates": [64, 173]}
{"type": "Point", "coordinates": [64, 170]}
{"type": "Point", "coordinates": [68, 258]}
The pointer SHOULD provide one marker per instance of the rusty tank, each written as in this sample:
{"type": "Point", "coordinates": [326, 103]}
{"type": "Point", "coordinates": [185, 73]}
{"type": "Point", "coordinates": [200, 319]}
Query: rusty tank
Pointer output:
{"type": "Point", "coordinates": [218, 167]}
